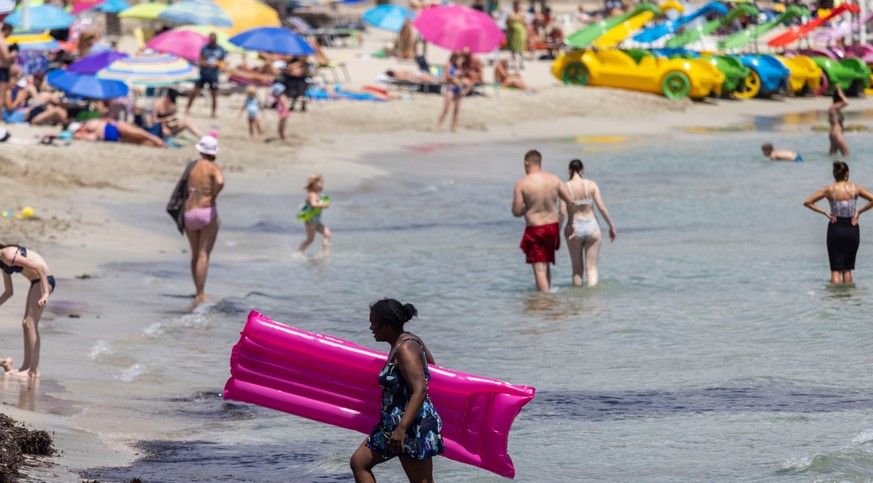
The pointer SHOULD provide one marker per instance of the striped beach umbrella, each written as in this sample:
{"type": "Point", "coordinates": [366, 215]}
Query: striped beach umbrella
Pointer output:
{"type": "Point", "coordinates": [33, 40]}
{"type": "Point", "coordinates": [196, 12]}
{"type": "Point", "coordinates": [150, 70]}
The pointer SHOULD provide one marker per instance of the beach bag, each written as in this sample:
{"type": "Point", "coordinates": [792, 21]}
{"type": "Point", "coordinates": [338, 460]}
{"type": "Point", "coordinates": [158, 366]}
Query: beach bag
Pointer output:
{"type": "Point", "coordinates": [176, 205]}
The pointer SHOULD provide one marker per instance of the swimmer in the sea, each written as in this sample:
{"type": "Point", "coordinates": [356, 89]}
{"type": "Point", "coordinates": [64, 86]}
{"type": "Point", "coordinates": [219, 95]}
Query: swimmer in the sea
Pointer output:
{"type": "Point", "coordinates": [780, 154]}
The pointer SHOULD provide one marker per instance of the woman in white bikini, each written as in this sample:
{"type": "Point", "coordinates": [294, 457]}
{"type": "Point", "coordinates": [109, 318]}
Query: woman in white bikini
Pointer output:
{"type": "Point", "coordinates": [583, 230]}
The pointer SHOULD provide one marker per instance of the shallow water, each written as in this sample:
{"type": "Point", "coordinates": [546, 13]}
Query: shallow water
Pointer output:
{"type": "Point", "coordinates": [713, 349]}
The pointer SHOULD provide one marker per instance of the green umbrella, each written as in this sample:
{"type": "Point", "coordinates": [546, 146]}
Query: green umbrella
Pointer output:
{"type": "Point", "coordinates": [144, 11]}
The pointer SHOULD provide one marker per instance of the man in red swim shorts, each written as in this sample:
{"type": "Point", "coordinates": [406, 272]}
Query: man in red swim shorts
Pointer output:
{"type": "Point", "coordinates": [536, 198]}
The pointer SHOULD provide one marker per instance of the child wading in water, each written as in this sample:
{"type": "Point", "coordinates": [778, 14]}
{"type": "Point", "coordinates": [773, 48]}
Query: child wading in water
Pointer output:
{"type": "Point", "coordinates": [252, 107]}
{"type": "Point", "coordinates": [310, 213]}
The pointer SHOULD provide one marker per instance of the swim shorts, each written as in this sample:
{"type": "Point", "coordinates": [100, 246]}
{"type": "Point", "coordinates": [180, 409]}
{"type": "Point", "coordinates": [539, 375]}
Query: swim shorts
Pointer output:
{"type": "Point", "coordinates": [208, 76]}
{"type": "Point", "coordinates": [540, 242]}
{"type": "Point", "coordinates": [4, 74]}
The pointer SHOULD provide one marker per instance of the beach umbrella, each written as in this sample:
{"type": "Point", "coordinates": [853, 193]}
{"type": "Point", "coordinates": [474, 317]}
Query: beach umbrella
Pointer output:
{"type": "Point", "coordinates": [387, 17]}
{"type": "Point", "coordinates": [93, 63]}
{"type": "Point", "coordinates": [275, 40]}
{"type": "Point", "coordinates": [144, 11]}
{"type": "Point", "coordinates": [197, 12]}
{"type": "Point", "coordinates": [82, 5]}
{"type": "Point", "coordinates": [33, 40]}
{"type": "Point", "coordinates": [221, 37]}
{"type": "Point", "coordinates": [150, 70]}
{"type": "Point", "coordinates": [86, 86]}
{"type": "Point", "coordinates": [42, 17]}
{"type": "Point", "coordinates": [6, 6]}
{"type": "Point", "coordinates": [248, 14]}
{"type": "Point", "coordinates": [113, 6]}
{"type": "Point", "coordinates": [457, 27]}
{"type": "Point", "coordinates": [183, 43]}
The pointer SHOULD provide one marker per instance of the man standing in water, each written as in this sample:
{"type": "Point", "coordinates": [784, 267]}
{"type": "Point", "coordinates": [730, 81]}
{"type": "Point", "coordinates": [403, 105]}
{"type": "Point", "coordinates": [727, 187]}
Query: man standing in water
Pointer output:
{"type": "Point", "coordinates": [536, 198]}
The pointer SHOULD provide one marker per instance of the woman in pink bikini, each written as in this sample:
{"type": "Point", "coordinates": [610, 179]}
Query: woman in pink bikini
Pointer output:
{"type": "Point", "coordinates": [201, 217]}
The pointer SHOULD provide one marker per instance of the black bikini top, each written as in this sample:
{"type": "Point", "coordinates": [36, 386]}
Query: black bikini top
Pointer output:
{"type": "Point", "coordinates": [12, 268]}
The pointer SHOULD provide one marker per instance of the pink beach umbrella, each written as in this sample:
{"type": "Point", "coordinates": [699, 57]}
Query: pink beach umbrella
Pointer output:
{"type": "Point", "coordinates": [457, 27]}
{"type": "Point", "coordinates": [82, 5]}
{"type": "Point", "coordinates": [183, 43]}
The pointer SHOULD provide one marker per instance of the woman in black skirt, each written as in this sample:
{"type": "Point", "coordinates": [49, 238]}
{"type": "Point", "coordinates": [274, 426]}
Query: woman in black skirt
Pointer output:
{"type": "Point", "coordinates": [844, 235]}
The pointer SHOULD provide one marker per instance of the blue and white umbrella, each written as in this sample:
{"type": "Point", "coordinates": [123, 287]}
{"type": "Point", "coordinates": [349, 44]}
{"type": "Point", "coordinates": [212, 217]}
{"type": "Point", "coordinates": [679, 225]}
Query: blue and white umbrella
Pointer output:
{"type": "Point", "coordinates": [113, 6]}
{"type": "Point", "coordinates": [42, 17]}
{"type": "Point", "coordinates": [196, 12]}
{"type": "Point", "coordinates": [387, 17]}
{"type": "Point", "coordinates": [86, 86]}
{"type": "Point", "coordinates": [276, 40]}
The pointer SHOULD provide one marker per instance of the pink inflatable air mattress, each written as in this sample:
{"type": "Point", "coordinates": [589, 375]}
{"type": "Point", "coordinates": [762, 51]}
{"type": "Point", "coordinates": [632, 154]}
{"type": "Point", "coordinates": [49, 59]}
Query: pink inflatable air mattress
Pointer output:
{"type": "Point", "coordinates": [334, 381]}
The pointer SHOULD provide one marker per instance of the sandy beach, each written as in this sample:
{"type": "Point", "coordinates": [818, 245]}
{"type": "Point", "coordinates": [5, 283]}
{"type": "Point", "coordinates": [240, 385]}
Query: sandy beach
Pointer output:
{"type": "Point", "coordinates": [73, 188]}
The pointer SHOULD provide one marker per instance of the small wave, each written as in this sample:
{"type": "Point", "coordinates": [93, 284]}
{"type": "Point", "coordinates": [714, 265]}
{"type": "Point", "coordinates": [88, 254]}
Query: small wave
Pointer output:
{"type": "Point", "coordinates": [100, 348]}
{"type": "Point", "coordinates": [132, 372]}
{"type": "Point", "coordinates": [865, 437]}
{"type": "Point", "coordinates": [796, 465]}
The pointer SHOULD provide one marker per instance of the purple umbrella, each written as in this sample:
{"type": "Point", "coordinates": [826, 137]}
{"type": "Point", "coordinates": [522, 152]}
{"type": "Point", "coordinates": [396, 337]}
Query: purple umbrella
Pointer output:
{"type": "Point", "coordinates": [93, 63]}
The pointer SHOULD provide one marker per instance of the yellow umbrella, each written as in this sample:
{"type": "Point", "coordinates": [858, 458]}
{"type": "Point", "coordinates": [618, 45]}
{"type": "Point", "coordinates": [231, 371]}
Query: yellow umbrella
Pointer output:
{"type": "Point", "coordinates": [248, 14]}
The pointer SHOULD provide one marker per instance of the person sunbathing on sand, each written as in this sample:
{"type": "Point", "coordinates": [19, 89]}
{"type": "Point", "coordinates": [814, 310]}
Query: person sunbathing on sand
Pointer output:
{"type": "Point", "coordinates": [780, 154]}
{"type": "Point", "coordinates": [114, 131]}
{"type": "Point", "coordinates": [505, 78]}
{"type": "Point", "coordinates": [417, 77]}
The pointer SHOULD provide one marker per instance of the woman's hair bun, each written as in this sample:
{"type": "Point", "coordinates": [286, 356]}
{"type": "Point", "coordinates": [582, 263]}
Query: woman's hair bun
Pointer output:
{"type": "Point", "coordinates": [410, 312]}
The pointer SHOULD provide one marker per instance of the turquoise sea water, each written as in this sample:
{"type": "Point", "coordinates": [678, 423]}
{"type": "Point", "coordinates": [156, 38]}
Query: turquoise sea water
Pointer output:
{"type": "Point", "coordinates": [712, 350]}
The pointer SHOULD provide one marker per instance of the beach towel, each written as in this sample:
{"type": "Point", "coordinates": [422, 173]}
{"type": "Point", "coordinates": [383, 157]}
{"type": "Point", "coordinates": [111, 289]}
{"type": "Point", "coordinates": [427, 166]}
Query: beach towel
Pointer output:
{"type": "Point", "coordinates": [176, 205]}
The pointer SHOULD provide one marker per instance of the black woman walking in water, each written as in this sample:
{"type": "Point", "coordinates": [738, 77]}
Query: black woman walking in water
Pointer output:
{"type": "Point", "coordinates": [844, 235]}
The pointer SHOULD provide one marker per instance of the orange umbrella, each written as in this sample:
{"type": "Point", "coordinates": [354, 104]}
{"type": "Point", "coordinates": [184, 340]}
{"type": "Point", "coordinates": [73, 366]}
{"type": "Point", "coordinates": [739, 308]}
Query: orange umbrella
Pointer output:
{"type": "Point", "coordinates": [248, 14]}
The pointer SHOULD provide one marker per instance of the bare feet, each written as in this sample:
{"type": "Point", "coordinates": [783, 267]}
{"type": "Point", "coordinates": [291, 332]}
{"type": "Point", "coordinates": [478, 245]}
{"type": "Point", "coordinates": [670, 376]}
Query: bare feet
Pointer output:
{"type": "Point", "coordinates": [200, 298]}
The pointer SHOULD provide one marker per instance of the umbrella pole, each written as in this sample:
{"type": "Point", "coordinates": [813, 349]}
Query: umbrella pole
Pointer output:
{"type": "Point", "coordinates": [25, 15]}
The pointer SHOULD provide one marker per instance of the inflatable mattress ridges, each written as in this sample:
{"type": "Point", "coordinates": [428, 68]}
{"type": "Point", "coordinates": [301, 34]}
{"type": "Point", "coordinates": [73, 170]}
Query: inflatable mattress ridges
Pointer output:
{"type": "Point", "coordinates": [334, 381]}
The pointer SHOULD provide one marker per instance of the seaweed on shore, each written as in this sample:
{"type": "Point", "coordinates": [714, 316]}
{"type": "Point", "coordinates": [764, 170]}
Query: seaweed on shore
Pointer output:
{"type": "Point", "coordinates": [17, 441]}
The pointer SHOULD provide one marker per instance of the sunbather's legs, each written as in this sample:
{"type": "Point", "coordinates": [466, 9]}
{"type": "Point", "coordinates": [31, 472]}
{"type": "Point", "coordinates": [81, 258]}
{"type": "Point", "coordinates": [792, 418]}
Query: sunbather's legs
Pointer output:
{"type": "Point", "coordinates": [50, 116]}
{"type": "Point", "coordinates": [194, 94]}
{"type": "Point", "coordinates": [129, 133]}
{"type": "Point", "coordinates": [456, 112]}
{"type": "Point", "coordinates": [447, 102]}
